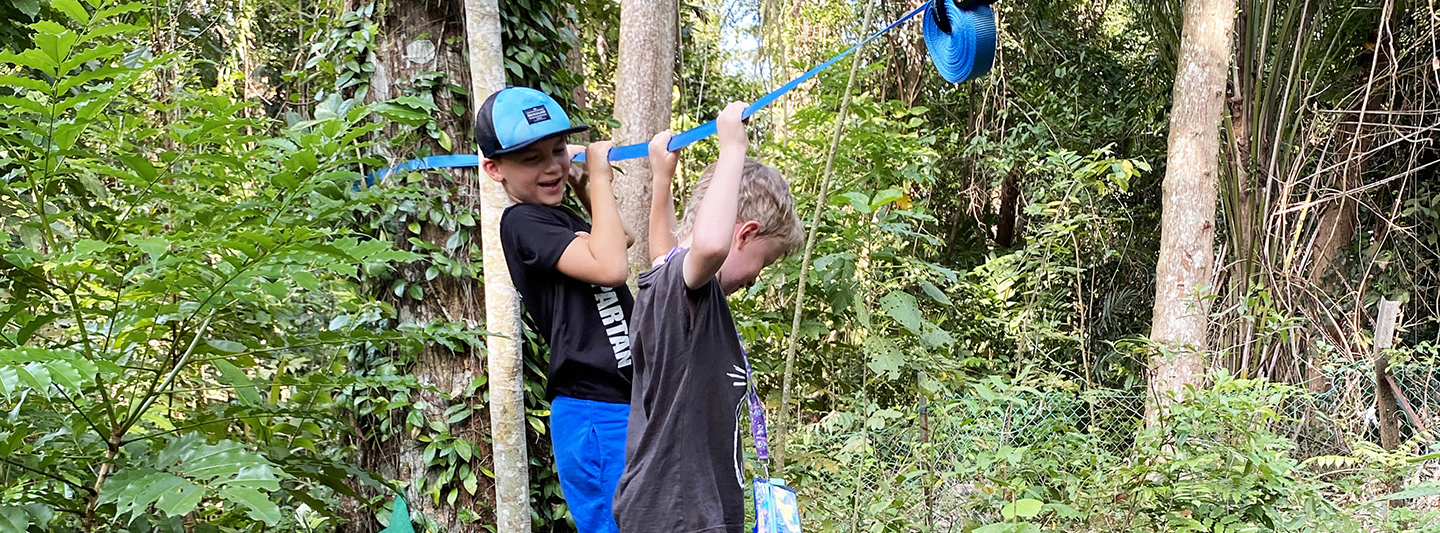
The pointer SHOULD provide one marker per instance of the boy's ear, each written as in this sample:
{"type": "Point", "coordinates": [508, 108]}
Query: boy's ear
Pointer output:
{"type": "Point", "coordinates": [492, 167]}
{"type": "Point", "coordinates": [745, 233]}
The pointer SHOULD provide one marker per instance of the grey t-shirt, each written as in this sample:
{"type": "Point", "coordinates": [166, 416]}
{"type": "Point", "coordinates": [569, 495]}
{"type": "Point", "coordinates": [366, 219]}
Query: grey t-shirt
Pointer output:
{"type": "Point", "coordinates": [682, 450]}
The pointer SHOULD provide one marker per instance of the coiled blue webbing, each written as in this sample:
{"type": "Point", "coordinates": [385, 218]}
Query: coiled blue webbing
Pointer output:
{"type": "Point", "coordinates": [964, 53]}
{"type": "Point", "coordinates": [967, 51]}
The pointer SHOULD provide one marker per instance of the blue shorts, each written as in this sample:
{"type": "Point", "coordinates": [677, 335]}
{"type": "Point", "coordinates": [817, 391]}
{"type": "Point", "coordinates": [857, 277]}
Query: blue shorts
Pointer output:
{"type": "Point", "coordinates": [589, 442]}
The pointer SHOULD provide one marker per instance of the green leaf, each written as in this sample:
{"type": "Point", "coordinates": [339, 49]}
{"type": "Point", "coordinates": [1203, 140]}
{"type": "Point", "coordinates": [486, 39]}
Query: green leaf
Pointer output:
{"type": "Point", "coordinates": [36, 375]}
{"type": "Point", "coordinates": [72, 9]}
{"type": "Point", "coordinates": [141, 165]}
{"type": "Point", "coordinates": [31, 8]}
{"type": "Point", "coordinates": [136, 489]}
{"type": "Point", "coordinates": [181, 500]}
{"type": "Point", "coordinates": [118, 10]}
{"type": "Point", "coordinates": [226, 346]}
{"type": "Point", "coordinates": [880, 418]}
{"type": "Point", "coordinates": [278, 289]}
{"type": "Point", "coordinates": [67, 134]}
{"type": "Point", "coordinates": [305, 279]}
{"type": "Point", "coordinates": [85, 56]}
{"type": "Point", "coordinates": [902, 307]}
{"type": "Point", "coordinates": [14, 441]}
{"type": "Point", "coordinates": [261, 508]}
{"type": "Point", "coordinates": [35, 59]}
{"type": "Point", "coordinates": [1422, 490]}
{"type": "Point", "coordinates": [260, 477]}
{"type": "Point", "coordinates": [66, 375]}
{"type": "Point", "coordinates": [11, 80]}
{"type": "Point", "coordinates": [54, 40]}
{"type": "Point", "coordinates": [884, 357]}
{"type": "Point", "coordinates": [232, 376]}
{"type": "Point", "coordinates": [9, 380]}
{"type": "Point", "coordinates": [859, 201]}
{"type": "Point", "coordinates": [1028, 508]}
{"type": "Point", "coordinates": [192, 457]}
{"type": "Point", "coordinates": [1065, 511]}
{"type": "Point", "coordinates": [935, 293]}
{"type": "Point", "coordinates": [14, 519]}
{"type": "Point", "coordinates": [884, 197]}
{"type": "Point", "coordinates": [935, 337]}
{"type": "Point", "coordinates": [402, 114]}
{"type": "Point", "coordinates": [154, 247]}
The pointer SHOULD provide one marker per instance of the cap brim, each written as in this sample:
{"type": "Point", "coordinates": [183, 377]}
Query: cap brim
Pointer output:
{"type": "Point", "coordinates": [526, 144]}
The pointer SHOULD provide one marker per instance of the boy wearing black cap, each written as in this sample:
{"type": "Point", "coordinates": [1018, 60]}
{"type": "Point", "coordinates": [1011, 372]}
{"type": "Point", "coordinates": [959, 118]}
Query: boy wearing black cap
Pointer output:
{"type": "Point", "coordinates": [571, 277]}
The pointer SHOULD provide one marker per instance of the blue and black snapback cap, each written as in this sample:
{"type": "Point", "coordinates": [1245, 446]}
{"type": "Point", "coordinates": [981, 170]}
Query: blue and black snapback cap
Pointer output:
{"type": "Point", "coordinates": [515, 117]}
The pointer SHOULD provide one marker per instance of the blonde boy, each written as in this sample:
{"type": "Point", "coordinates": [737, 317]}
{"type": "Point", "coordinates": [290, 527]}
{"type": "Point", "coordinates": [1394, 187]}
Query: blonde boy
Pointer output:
{"type": "Point", "coordinates": [682, 470]}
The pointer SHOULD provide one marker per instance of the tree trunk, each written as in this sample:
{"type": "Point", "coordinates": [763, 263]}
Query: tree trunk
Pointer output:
{"type": "Point", "coordinates": [1185, 268]}
{"type": "Point", "coordinates": [1009, 209]}
{"type": "Point", "coordinates": [502, 303]}
{"type": "Point", "coordinates": [1337, 224]}
{"type": "Point", "coordinates": [416, 38]}
{"type": "Point", "coordinates": [644, 84]}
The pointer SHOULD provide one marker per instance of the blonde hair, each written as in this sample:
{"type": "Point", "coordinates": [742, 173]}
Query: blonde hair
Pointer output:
{"type": "Point", "coordinates": [764, 197]}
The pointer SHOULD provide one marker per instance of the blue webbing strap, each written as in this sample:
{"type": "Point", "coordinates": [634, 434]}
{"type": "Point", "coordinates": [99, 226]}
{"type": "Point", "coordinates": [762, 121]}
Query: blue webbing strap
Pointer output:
{"type": "Point", "coordinates": [425, 163]}
{"type": "Point", "coordinates": [690, 136]}
{"type": "Point", "coordinates": [964, 53]}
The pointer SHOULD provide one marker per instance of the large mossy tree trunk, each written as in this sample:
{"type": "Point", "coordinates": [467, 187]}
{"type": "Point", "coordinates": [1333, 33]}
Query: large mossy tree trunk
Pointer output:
{"type": "Point", "coordinates": [1184, 273]}
{"type": "Point", "coordinates": [419, 51]}
{"type": "Point", "coordinates": [644, 87]}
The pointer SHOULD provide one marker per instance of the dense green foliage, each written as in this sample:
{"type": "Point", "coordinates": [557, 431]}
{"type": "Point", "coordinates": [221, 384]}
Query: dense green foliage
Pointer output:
{"type": "Point", "coordinates": [205, 325]}
{"type": "Point", "coordinates": [168, 284]}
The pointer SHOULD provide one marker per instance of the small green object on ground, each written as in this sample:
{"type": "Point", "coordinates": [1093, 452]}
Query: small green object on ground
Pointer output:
{"type": "Point", "coordinates": [399, 518]}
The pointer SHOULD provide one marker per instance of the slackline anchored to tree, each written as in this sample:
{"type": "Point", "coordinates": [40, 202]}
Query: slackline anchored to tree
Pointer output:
{"type": "Point", "coordinates": [959, 36]}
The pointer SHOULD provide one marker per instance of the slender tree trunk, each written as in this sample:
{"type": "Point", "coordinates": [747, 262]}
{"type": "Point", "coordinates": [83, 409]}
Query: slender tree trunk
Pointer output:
{"type": "Point", "coordinates": [1009, 209]}
{"type": "Point", "coordinates": [1185, 269]}
{"type": "Point", "coordinates": [782, 428]}
{"type": "Point", "coordinates": [644, 85]}
{"type": "Point", "coordinates": [502, 303]}
{"type": "Point", "coordinates": [1337, 224]}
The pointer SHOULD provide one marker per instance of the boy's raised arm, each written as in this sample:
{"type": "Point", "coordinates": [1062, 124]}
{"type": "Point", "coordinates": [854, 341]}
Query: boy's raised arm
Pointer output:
{"type": "Point", "coordinates": [662, 205]}
{"type": "Point", "coordinates": [599, 257]}
{"type": "Point", "coordinates": [579, 180]}
{"type": "Point", "coordinates": [710, 239]}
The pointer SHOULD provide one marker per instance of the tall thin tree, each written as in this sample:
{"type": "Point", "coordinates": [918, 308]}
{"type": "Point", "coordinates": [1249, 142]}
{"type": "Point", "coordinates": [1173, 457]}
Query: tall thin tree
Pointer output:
{"type": "Point", "coordinates": [502, 303]}
{"type": "Point", "coordinates": [644, 86]}
{"type": "Point", "coordinates": [1184, 273]}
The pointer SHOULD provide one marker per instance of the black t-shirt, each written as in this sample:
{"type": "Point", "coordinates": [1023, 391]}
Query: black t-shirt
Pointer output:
{"type": "Point", "coordinates": [682, 450]}
{"type": "Point", "coordinates": [587, 326]}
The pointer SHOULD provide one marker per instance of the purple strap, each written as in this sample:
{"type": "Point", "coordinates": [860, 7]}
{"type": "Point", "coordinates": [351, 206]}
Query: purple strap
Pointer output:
{"type": "Point", "coordinates": [757, 410]}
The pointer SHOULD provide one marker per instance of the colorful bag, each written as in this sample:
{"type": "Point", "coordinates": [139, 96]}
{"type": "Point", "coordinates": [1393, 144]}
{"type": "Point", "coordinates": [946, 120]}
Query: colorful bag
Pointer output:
{"type": "Point", "coordinates": [776, 507]}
